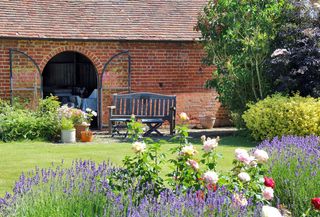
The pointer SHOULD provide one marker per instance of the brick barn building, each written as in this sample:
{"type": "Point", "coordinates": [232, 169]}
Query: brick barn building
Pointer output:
{"type": "Point", "coordinates": [90, 49]}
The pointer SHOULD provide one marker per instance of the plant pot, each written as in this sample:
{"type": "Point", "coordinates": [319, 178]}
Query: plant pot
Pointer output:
{"type": "Point", "coordinates": [68, 136]}
{"type": "Point", "coordinates": [207, 122]}
{"type": "Point", "coordinates": [79, 129]}
{"type": "Point", "coordinates": [86, 136]}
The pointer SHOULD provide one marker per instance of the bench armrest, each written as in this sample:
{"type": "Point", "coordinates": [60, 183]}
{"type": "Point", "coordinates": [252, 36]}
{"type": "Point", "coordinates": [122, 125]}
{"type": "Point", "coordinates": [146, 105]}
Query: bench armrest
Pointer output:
{"type": "Point", "coordinates": [111, 109]}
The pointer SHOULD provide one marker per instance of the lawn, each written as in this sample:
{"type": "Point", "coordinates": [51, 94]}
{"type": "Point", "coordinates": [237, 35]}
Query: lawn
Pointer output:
{"type": "Point", "coordinates": [16, 157]}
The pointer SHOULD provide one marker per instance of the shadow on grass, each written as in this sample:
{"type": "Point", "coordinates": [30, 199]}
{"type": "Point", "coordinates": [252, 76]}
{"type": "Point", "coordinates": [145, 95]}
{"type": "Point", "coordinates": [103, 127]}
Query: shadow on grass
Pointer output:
{"type": "Point", "coordinates": [233, 141]}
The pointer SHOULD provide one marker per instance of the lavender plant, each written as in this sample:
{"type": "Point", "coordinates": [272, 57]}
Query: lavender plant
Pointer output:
{"type": "Point", "coordinates": [294, 165]}
{"type": "Point", "coordinates": [84, 190]}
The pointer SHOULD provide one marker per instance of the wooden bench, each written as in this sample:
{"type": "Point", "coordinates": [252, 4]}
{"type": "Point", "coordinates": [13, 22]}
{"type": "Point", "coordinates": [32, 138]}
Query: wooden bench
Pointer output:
{"type": "Point", "coordinates": [153, 109]}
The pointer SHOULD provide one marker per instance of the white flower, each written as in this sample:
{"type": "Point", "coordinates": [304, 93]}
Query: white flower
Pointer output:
{"type": "Point", "coordinates": [203, 138]}
{"type": "Point", "coordinates": [261, 156]}
{"type": "Point", "coordinates": [138, 147]}
{"type": "Point", "coordinates": [88, 110]}
{"type": "Point", "coordinates": [188, 150]}
{"type": "Point", "coordinates": [211, 177]}
{"type": "Point", "coordinates": [244, 177]}
{"type": "Point", "coordinates": [94, 113]}
{"type": "Point", "coordinates": [269, 211]}
{"type": "Point", "coordinates": [279, 52]}
{"type": "Point", "coordinates": [85, 124]}
{"type": "Point", "coordinates": [210, 144]}
{"type": "Point", "coordinates": [268, 193]}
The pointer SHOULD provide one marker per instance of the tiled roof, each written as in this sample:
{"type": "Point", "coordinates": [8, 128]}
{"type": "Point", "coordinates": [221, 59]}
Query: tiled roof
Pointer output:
{"type": "Point", "coordinates": [100, 19]}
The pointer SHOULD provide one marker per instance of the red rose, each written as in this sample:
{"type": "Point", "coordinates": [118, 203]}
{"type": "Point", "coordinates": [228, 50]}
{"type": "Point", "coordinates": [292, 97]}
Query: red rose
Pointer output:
{"type": "Point", "coordinates": [269, 182]}
{"type": "Point", "coordinates": [212, 187]}
{"type": "Point", "coordinates": [200, 195]}
{"type": "Point", "coordinates": [316, 202]}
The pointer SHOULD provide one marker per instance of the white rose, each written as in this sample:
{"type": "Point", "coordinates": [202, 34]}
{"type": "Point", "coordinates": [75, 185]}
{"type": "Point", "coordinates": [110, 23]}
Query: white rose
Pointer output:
{"type": "Point", "coordinates": [94, 113]}
{"type": "Point", "coordinates": [261, 156]}
{"type": "Point", "coordinates": [138, 147]}
{"type": "Point", "coordinates": [188, 150]}
{"type": "Point", "coordinates": [211, 177]}
{"type": "Point", "coordinates": [269, 211]}
{"type": "Point", "coordinates": [244, 177]}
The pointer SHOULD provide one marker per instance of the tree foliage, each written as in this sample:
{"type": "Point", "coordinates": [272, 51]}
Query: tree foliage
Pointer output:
{"type": "Point", "coordinates": [294, 65]}
{"type": "Point", "coordinates": [237, 36]}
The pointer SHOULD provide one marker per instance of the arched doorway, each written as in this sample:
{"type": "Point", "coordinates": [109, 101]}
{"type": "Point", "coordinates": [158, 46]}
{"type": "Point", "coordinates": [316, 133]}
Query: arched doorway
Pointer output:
{"type": "Point", "coordinates": [73, 78]}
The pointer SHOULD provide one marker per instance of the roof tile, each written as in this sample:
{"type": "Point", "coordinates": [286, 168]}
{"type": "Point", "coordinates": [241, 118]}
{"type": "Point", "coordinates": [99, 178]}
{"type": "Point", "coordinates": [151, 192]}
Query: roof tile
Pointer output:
{"type": "Point", "coordinates": [100, 19]}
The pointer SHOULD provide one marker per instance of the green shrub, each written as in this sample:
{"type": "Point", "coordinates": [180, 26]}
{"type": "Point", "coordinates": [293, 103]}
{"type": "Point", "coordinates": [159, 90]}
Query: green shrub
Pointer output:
{"type": "Point", "coordinates": [18, 123]}
{"type": "Point", "coordinates": [66, 124]}
{"type": "Point", "coordinates": [280, 115]}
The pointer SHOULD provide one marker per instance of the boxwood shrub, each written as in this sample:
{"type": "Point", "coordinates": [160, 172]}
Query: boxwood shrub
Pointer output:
{"type": "Point", "coordinates": [281, 115]}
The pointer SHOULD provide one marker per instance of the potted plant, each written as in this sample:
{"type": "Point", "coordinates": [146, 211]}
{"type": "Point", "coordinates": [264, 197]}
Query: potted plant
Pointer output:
{"type": "Point", "coordinates": [86, 136]}
{"type": "Point", "coordinates": [80, 119]}
{"type": "Point", "coordinates": [68, 133]}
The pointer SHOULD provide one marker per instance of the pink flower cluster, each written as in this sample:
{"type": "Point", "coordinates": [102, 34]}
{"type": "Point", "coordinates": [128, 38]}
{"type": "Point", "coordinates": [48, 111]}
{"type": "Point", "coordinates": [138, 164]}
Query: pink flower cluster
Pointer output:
{"type": "Point", "coordinates": [209, 144]}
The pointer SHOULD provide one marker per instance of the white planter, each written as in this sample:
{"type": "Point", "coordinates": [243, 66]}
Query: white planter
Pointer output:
{"type": "Point", "coordinates": [68, 136]}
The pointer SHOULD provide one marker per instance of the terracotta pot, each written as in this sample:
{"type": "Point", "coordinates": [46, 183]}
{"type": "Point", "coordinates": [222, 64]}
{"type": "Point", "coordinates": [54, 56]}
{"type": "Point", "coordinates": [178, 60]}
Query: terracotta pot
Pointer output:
{"type": "Point", "coordinates": [207, 122]}
{"type": "Point", "coordinates": [80, 128]}
{"type": "Point", "coordinates": [86, 136]}
{"type": "Point", "coordinates": [68, 136]}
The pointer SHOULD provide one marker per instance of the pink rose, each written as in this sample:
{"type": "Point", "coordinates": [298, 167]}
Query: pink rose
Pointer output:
{"type": "Point", "coordinates": [268, 193]}
{"type": "Point", "coordinates": [194, 164]}
{"type": "Point", "coordinates": [210, 144]}
{"type": "Point", "coordinates": [243, 156]}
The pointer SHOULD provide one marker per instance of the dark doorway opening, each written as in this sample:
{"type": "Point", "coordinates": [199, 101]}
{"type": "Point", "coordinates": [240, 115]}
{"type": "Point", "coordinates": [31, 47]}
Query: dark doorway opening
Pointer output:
{"type": "Point", "coordinates": [73, 78]}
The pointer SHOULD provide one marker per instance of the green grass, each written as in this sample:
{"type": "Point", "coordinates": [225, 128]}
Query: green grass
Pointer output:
{"type": "Point", "coordinates": [17, 157]}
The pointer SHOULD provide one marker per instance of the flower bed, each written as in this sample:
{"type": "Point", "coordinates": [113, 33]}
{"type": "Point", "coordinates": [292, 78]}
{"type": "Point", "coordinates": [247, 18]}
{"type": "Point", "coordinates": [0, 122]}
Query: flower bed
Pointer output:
{"type": "Point", "coordinates": [193, 188]}
{"type": "Point", "coordinates": [295, 167]}
{"type": "Point", "coordinates": [83, 190]}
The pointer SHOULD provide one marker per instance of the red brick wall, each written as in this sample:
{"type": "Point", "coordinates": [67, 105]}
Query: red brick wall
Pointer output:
{"type": "Point", "coordinates": [161, 67]}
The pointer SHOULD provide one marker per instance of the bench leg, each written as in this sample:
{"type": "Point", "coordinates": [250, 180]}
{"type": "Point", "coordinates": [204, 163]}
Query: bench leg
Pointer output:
{"type": "Point", "coordinates": [153, 128]}
{"type": "Point", "coordinates": [110, 128]}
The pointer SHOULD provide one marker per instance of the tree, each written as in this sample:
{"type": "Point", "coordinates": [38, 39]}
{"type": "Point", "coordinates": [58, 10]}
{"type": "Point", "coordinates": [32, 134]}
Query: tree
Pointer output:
{"type": "Point", "coordinates": [237, 37]}
{"type": "Point", "coordinates": [294, 66]}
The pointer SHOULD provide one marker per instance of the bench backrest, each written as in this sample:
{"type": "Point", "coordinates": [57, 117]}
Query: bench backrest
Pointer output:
{"type": "Point", "coordinates": [144, 105]}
